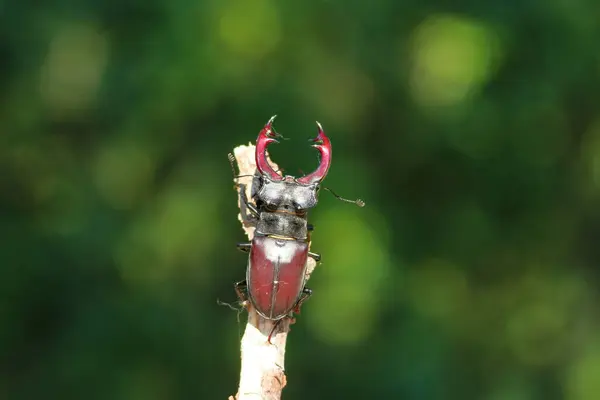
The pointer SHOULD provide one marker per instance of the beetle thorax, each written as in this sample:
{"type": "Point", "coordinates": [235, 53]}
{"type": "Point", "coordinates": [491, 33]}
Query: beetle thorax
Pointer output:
{"type": "Point", "coordinates": [288, 195]}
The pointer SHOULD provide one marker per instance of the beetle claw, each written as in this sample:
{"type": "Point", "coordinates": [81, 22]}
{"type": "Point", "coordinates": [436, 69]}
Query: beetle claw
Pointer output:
{"type": "Point", "coordinates": [265, 138]}
{"type": "Point", "coordinates": [323, 144]}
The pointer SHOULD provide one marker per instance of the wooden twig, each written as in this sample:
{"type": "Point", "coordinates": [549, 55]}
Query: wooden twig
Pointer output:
{"type": "Point", "coordinates": [262, 374]}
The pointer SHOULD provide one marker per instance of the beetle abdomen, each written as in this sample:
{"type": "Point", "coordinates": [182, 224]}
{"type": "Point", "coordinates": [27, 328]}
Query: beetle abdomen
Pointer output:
{"type": "Point", "coordinates": [276, 273]}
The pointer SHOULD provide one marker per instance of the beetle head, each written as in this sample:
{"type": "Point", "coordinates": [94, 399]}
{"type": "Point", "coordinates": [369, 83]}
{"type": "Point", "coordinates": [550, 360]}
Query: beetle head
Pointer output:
{"type": "Point", "coordinates": [268, 135]}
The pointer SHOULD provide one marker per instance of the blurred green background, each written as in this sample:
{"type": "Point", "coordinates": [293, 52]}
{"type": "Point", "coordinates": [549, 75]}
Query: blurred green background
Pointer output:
{"type": "Point", "coordinates": [470, 128]}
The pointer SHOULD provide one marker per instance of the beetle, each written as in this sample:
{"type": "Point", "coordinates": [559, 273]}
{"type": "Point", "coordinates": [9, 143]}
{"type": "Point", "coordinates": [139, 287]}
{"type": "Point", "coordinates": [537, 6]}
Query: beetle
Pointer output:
{"type": "Point", "coordinates": [278, 254]}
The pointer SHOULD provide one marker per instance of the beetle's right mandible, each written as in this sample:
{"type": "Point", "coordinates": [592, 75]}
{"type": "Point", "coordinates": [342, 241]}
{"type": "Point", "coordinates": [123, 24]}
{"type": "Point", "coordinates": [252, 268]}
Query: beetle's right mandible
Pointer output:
{"type": "Point", "coordinates": [323, 144]}
{"type": "Point", "coordinates": [265, 137]}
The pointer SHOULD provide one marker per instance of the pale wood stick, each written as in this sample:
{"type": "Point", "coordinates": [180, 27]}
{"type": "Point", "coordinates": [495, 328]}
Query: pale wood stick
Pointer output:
{"type": "Point", "coordinates": [262, 374]}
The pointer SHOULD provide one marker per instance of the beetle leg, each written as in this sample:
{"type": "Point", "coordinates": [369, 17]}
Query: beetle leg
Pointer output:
{"type": "Point", "coordinates": [306, 293]}
{"type": "Point", "coordinates": [245, 247]}
{"type": "Point", "coordinates": [273, 330]}
{"type": "Point", "coordinates": [315, 256]}
{"type": "Point", "coordinates": [251, 208]}
{"type": "Point", "coordinates": [240, 288]}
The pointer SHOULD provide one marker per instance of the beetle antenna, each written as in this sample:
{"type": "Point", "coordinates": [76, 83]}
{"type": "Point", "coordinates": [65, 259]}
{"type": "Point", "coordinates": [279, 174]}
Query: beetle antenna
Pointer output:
{"type": "Point", "coordinates": [231, 159]}
{"type": "Point", "coordinates": [358, 202]}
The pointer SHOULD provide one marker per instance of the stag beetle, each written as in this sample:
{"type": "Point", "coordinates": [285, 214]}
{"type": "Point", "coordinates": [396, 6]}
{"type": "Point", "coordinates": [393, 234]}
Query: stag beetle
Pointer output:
{"type": "Point", "coordinates": [275, 274]}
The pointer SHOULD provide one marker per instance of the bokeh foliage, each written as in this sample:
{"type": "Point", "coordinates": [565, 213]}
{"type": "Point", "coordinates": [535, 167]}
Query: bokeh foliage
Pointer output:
{"type": "Point", "coordinates": [471, 129]}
